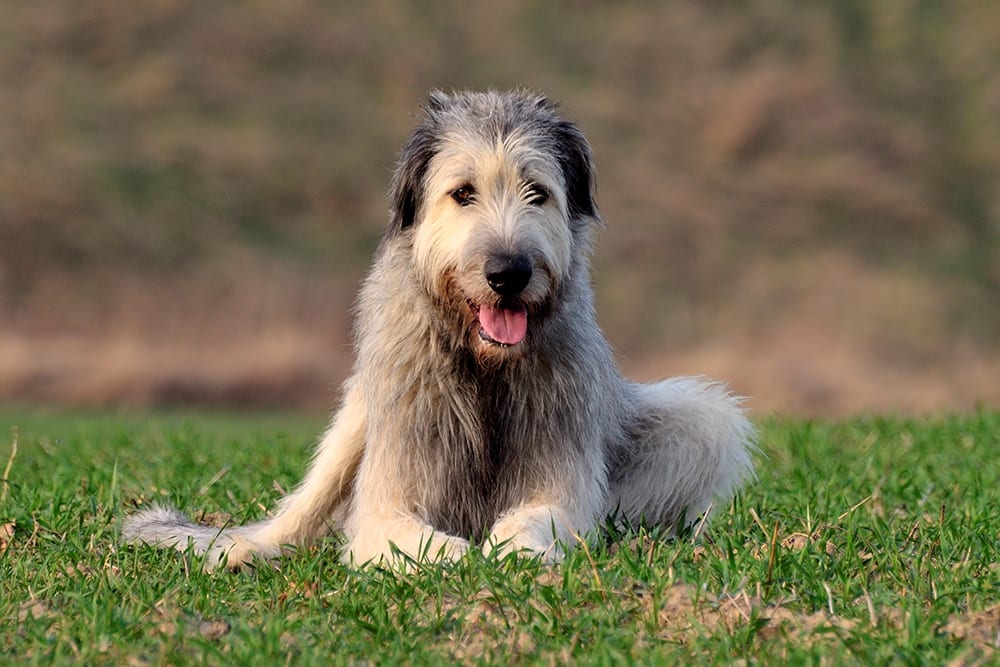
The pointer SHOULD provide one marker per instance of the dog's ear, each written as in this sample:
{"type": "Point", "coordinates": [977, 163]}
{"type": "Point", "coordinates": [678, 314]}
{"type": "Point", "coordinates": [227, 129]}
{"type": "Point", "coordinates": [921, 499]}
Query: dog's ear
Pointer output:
{"type": "Point", "coordinates": [579, 172]}
{"type": "Point", "coordinates": [575, 158]}
{"type": "Point", "coordinates": [406, 189]}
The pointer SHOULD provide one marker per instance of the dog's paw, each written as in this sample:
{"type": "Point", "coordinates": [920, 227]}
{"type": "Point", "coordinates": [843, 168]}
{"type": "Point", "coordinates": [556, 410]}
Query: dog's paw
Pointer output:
{"type": "Point", "coordinates": [235, 552]}
{"type": "Point", "coordinates": [402, 551]}
{"type": "Point", "coordinates": [540, 531]}
{"type": "Point", "coordinates": [549, 551]}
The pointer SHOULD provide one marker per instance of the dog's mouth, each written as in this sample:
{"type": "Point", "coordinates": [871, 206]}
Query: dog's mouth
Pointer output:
{"type": "Point", "coordinates": [503, 325]}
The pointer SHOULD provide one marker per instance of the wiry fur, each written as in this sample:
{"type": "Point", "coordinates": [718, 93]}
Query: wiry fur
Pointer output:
{"type": "Point", "coordinates": [446, 438]}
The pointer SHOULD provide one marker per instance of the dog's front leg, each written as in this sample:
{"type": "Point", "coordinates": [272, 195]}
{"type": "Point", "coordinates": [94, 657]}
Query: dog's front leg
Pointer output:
{"type": "Point", "coordinates": [317, 505]}
{"type": "Point", "coordinates": [382, 527]}
{"type": "Point", "coordinates": [320, 501]}
{"type": "Point", "coordinates": [551, 521]}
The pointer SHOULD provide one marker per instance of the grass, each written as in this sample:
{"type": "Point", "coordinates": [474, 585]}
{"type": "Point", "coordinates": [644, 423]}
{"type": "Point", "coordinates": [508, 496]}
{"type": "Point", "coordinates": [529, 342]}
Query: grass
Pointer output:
{"type": "Point", "coordinates": [871, 541]}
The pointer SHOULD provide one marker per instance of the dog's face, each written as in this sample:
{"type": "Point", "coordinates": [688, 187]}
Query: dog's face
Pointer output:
{"type": "Point", "coordinates": [495, 192]}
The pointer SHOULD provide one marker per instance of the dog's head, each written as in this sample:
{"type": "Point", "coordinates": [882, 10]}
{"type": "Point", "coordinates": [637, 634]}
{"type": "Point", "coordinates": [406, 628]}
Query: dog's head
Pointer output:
{"type": "Point", "coordinates": [494, 193]}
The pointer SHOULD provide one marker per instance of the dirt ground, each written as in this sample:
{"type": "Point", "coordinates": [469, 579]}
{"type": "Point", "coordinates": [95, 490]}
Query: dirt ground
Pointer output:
{"type": "Point", "coordinates": [260, 349]}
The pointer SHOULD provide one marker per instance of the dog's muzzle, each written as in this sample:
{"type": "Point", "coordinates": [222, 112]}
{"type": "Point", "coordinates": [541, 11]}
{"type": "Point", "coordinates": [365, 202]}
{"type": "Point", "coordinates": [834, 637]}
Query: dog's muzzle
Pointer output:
{"type": "Point", "coordinates": [506, 323]}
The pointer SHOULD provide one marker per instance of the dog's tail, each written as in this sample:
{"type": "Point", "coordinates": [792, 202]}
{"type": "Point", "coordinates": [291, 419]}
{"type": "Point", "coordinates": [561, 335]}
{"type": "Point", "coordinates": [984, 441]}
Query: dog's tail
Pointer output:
{"type": "Point", "coordinates": [311, 511]}
{"type": "Point", "coordinates": [167, 527]}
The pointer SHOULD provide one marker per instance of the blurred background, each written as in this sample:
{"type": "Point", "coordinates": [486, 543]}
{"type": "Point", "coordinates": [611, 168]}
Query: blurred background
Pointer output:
{"type": "Point", "coordinates": [801, 198]}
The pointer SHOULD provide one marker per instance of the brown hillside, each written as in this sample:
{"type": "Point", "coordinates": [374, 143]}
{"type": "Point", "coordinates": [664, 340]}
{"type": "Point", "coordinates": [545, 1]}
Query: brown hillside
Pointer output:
{"type": "Point", "coordinates": [801, 198]}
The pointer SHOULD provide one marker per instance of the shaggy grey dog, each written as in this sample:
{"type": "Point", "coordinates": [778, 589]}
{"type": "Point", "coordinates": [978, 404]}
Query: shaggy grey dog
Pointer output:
{"type": "Point", "coordinates": [485, 407]}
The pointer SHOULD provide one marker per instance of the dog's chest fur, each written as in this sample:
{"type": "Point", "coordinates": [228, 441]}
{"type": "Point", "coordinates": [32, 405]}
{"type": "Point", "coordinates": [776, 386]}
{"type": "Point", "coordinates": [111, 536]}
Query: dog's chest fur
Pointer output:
{"type": "Point", "coordinates": [489, 462]}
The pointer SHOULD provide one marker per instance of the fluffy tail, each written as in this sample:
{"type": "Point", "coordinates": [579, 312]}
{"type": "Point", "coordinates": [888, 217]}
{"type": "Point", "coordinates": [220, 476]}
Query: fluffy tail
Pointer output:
{"type": "Point", "coordinates": [167, 527]}
{"type": "Point", "coordinates": [309, 512]}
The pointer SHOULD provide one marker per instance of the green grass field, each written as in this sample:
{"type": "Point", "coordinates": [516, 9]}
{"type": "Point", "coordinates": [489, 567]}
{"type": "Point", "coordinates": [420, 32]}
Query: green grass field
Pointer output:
{"type": "Point", "coordinates": [872, 541]}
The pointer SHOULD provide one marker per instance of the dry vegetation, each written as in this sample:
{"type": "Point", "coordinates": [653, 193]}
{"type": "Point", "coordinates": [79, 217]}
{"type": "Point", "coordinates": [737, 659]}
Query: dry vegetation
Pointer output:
{"type": "Point", "coordinates": [800, 197]}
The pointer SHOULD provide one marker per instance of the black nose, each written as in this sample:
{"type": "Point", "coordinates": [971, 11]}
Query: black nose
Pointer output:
{"type": "Point", "coordinates": [507, 275]}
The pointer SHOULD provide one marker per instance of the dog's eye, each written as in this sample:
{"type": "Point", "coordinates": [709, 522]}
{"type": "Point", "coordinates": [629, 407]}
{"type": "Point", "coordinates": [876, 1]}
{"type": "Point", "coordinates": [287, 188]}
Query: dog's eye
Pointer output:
{"type": "Point", "coordinates": [536, 194]}
{"type": "Point", "coordinates": [464, 195]}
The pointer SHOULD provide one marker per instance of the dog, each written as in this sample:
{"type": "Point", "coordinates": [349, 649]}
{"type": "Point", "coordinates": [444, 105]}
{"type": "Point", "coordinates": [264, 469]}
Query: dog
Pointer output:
{"type": "Point", "coordinates": [485, 409]}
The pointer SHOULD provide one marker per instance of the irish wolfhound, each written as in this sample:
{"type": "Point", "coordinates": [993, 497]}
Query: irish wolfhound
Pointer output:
{"type": "Point", "coordinates": [485, 407]}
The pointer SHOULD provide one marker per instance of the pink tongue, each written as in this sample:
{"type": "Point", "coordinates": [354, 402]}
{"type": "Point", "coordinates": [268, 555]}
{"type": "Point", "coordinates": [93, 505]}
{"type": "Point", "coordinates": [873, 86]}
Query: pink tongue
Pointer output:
{"type": "Point", "coordinates": [504, 325]}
